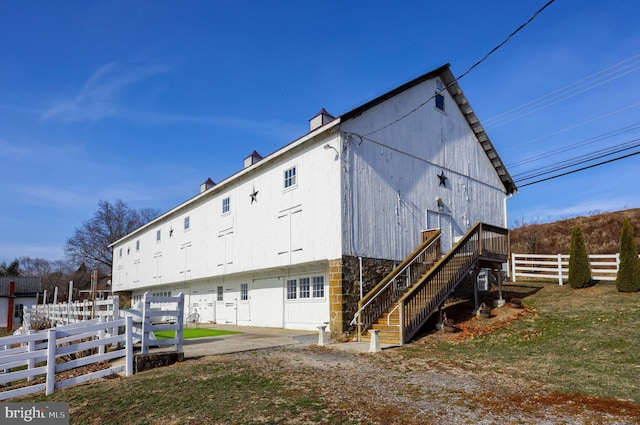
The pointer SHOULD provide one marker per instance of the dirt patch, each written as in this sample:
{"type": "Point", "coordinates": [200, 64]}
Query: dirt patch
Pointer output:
{"type": "Point", "coordinates": [392, 388]}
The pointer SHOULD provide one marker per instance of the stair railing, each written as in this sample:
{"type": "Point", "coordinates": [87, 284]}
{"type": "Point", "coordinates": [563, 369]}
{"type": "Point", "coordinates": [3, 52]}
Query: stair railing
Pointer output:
{"type": "Point", "coordinates": [391, 288]}
{"type": "Point", "coordinates": [483, 241]}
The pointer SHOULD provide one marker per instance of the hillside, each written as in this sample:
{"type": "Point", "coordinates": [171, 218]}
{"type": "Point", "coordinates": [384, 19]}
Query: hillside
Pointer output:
{"type": "Point", "coordinates": [601, 234]}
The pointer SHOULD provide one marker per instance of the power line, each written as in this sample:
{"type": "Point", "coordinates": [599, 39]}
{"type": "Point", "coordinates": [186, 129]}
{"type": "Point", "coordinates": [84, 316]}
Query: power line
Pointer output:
{"type": "Point", "coordinates": [572, 146]}
{"type": "Point", "coordinates": [468, 70]}
{"type": "Point", "coordinates": [506, 39]}
{"type": "Point", "coordinates": [579, 169]}
{"type": "Point", "coordinates": [416, 157]}
{"type": "Point", "coordinates": [571, 127]}
{"type": "Point", "coordinates": [583, 159]}
{"type": "Point", "coordinates": [570, 90]}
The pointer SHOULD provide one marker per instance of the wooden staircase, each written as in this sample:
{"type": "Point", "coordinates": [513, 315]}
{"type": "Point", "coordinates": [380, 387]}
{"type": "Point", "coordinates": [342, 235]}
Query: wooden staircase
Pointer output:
{"type": "Point", "coordinates": [405, 299]}
{"type": "Point", "coordinates": [388, 326]}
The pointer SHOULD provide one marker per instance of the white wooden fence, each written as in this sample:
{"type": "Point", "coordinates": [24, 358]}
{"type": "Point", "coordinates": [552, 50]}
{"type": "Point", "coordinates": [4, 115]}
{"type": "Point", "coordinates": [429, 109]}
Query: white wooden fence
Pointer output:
{"type": "Point", "coordinates": [66, 313]}
{"type": "Point", "coordinates": [158, 314]}
{"type": "Point", "coordinates": [39, 352]}
{"type": "Point", "coordinates": [556, 267]}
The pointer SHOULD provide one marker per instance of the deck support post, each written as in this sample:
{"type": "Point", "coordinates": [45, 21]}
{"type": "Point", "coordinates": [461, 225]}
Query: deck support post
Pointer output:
{"type": "Point", "coordinates": [439, 324]}
{"type": "Point", "coordinates": [500, 302]}
{"type": "Point", "coordinates": [476, 301]}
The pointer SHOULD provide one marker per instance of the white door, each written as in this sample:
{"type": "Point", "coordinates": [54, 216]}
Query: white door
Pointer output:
{"type": "Point", "coordinates": [243, 307]}
{"type": "Point", "coordinates": [444, 222]}
{"type": "Point", "coordinates": [207, 311]}
{"type": "Point", "coordinates": [226, 310]}
{"type": "Point", "coordinates": [266, 301]}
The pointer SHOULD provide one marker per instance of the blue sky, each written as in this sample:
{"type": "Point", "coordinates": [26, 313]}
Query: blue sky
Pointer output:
{"type": "Point", "coordinates": [143, 101]}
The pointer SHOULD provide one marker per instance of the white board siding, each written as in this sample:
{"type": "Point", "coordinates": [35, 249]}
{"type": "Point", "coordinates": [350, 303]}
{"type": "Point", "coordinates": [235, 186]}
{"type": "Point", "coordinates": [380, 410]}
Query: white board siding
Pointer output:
{"type": "Point", "coordinates": [394, 174]}
{"type": "Point", "coordinates": [357, 196]}
{"type": "Point", "coordinates": [249, 237]}
{"type": "Point", "coordinates": [266, 306]}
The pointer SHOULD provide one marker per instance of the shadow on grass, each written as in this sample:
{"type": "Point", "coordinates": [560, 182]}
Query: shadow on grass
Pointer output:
{"type": "Point", "coordinates": [463, 310]}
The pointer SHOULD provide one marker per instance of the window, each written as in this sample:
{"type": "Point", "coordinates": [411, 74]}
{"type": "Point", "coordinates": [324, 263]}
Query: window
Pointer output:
{"type": "Point", "coordinates": [120, 252]}
{"type": "Point", "coordinates": [304, 287]}
{"type": "Point", "coordinates": [137, 245]}
{"type": "Point", "coordinates": [186, 223]}
{"type": "Point", "coordinates": [318, 287]}
{"type": "Point", "coordinates": [292, 290]}
{"type": "Point", "coordinates": [18, 310]}
{"type": "Point", "coordinates": [226, 205]}
{"type": "Point", "coordinates": [244, 292]}
{"type": "Point", "coordinates": [158, 235]}
{"type": "Point", "coordinates": [290, 177]}
{"type": "Point", "coordinates": [220, 292]}
{"type": "Point", "coordinates": [439, 102]}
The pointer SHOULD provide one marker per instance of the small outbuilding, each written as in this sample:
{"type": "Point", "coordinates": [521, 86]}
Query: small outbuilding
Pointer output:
{"type": "Point", "coordinates": [15, 293]}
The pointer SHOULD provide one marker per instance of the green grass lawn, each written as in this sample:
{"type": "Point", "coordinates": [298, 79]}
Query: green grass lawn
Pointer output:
{"type": "Point", "coordinates": [190, 333]}
{"type": "Point", "coordinates": [584, 341]}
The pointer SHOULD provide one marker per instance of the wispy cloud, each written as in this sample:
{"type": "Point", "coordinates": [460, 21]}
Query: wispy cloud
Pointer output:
{"type": "Point", "coordinates": [98, 98]}
{"type": "Point", "coordinates": [266, 127]}
{"type": "Point", "coordinates": [36, 151]}
{"type": "Point", "coordinates": [101, 97]}
{"type": "Point", "coordinates": [52, 196]}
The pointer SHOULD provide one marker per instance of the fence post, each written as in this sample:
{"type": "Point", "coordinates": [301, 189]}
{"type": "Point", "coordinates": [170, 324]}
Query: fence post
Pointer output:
{"type": "Point", "coordinates": [31, 347]}
{"type": "Point", "coordinates": [129, 345]}
{"type": "Point", "coordinates": [560, 282]}
{"type": "Point", "coordinates": [513, 267]}
{"type": "Point", "coordinates": [51, 361]}
{"type": "Point", "coordinates": [115, 313]}
{"type": "Point", "coordinates": [180, 321]}
{"type": "Point", "coordinates": [26, 317]}
{"type": "Point", "coordinates": [101, 320]}
{"type": "Point", "coordinates": [143, 334]}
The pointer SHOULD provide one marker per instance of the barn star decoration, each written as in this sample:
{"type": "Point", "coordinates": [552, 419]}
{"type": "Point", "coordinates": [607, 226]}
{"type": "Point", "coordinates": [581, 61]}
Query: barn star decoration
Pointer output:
{"type": "Point", "coordinates": [254, 195]}
{"type": "Point", "coordinates": [443, 179]}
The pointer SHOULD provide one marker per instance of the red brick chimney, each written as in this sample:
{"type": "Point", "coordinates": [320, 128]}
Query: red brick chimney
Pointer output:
{"type": "Point", "coordinates": [12, 295]}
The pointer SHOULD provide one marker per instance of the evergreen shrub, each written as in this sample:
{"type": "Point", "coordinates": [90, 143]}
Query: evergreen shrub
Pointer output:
{"type": "Point", "coordinates": [579, 269]}
{"type": "Point", "coordinates": [628, 279]}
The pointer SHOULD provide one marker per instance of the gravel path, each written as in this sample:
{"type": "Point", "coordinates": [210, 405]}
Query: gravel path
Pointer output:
{"type": "Point", "coordinates": [391, 388]}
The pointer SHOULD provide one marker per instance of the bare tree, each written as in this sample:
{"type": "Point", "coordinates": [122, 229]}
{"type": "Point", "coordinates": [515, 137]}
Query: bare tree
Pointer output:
{"type": "Point", "coordinates": [35, 267]}
{"type": "Point", "coordinates": [90, 242]}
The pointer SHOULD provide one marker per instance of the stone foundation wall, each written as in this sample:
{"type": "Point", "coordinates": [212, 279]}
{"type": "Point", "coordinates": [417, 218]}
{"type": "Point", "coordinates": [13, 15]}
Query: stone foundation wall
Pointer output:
{"type": "Point", "coordinates": [154, 360]}
{"type": "Point", "coordinates": [344, 288]}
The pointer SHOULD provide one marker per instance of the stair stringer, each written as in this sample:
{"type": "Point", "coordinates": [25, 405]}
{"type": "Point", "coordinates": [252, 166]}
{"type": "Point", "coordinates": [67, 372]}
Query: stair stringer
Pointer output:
{"type": "Point", "coordinates": [406, 337]}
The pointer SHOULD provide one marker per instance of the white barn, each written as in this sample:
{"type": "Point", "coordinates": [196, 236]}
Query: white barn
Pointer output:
{"type": "Point", "coordinates": [283, 242]}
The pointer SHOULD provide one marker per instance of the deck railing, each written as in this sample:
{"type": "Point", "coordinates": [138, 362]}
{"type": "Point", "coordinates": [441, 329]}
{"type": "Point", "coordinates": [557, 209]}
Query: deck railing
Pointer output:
{"type": "Point", "coordinates": [391, 288]}
{"type": "Point", "coordinates": [483, 241]}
